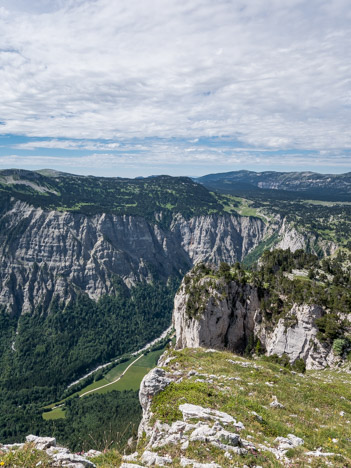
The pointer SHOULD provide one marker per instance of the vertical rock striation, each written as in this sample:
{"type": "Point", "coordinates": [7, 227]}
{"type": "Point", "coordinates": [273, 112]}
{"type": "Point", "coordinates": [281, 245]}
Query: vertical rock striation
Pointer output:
{"type": "Point", "coordinates": [229, 316]}
{"type": "Point", "coordinates": [46, 254]}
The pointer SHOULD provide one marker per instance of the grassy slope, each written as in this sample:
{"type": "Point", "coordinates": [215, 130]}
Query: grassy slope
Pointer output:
{"type": "Point", "coordinates": [312, 402]}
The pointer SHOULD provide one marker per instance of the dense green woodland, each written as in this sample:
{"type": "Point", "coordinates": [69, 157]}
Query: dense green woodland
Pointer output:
{"type": "Point", "coordinates": [95, 195]}
{"type": "Point", "coordinates": [95, 421]}
{"type": "Point", "coordinates": [55, 348]}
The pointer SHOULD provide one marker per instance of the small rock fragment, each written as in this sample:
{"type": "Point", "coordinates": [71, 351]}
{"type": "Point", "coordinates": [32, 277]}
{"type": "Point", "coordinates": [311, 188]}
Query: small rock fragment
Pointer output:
{"type": "Point", "coordinates": [275, 403]}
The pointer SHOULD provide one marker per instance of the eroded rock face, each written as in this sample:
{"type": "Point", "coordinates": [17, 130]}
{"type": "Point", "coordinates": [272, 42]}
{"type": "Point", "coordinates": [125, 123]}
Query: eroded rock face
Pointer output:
{"type": "Point", "coordinates": [46, 254]}
{"type": "Point", "coordinates": [227, 320]}
{"type": "Point", "coordinates": [290, 238]}
{"type": "Point", "coordinates": [216, 238]}
{"type": "Point", "coordinates": [231, 313]}
{"type": "Point", "coordinates": [153, 382]}
{"type": "Point", "coordinates": [299, 341]}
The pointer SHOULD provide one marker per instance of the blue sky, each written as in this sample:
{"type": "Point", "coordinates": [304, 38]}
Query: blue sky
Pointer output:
{"type": "Point", "coordinates": [129, 88]}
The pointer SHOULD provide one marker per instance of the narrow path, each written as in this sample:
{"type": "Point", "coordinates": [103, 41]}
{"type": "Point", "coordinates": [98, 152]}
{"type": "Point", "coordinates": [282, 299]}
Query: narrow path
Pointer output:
{"type": "Point", "coordinates": [147, 346]}
{"type": "Point", "coordinates": [114, 381]}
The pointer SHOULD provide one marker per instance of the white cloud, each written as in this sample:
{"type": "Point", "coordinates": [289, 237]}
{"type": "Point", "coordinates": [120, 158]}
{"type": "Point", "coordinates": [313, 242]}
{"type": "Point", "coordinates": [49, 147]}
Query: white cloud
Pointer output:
{"type": "Point", "coordinates": [67, 145]}
{"type": "Point", "coordinates": [271, 74]}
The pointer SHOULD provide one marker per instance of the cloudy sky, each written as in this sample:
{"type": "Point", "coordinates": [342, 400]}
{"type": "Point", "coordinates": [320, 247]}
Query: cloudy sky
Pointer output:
{"type": "Point", "coordinates": [184, 87]}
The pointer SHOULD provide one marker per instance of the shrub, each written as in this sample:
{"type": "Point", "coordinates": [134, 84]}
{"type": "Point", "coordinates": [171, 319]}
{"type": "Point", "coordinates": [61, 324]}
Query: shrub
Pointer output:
{"type": "Point", "coordinates": [299, 365]}
{"type": "Point", "coordinates": [339, 346]}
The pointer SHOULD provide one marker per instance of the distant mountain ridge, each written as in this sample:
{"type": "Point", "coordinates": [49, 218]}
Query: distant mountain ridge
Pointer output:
{"type": "Point", "coordinates": [303, 184]}
{"type": "Point", "coordinates": [90, 195]}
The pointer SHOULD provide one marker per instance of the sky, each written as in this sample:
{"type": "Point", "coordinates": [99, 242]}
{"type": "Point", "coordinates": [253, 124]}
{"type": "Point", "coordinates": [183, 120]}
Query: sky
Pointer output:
{"type": "Point", "coordinates": [181, 87]}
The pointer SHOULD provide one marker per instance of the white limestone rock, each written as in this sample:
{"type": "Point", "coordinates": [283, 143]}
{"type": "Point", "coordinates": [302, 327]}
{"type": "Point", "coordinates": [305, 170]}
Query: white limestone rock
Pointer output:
{"type": "Point", "coordinates": [41, 443]}
{"type": "Point", "coordinates": [275, 403]}
{"type": "Point", "coordinates": [93, 453]}
{"type": "Point", "coordinates": [188, 462]}
{"type": "Point", "coordinates": [299, 341]}
{"type": "Point", "coordinates": [216, 433]}
{"type": "Point", "coordinates": [319, 453]}
{"type": "Point", "coordinates": [131, 465]}
{"type": "Point", "coordinates": [71, 460]}
{"type": "Point", "coordinates": [190, 411]}
{"type": "Point", "coordinates": [152, 458]}
{"type": "Point", "coordinates": [152, 383]}
{"type": "Point", "coordinates": [130, 458]}
{"type": "Point", "coordinates": [289, 442]}
{"type": "Point", "coordinates": [228, 315]}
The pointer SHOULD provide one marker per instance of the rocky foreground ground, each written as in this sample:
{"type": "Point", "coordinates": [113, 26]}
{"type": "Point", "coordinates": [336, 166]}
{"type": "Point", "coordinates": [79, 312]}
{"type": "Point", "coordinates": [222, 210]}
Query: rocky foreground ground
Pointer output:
{"type": "Point", "coordinates": [46, 451]}
{"type": "Point", "coordinates": [210, 409]}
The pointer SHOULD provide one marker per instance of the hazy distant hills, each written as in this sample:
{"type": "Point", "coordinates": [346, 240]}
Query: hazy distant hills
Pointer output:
{"type": "Point", "coordinates": [298, 184]}
{"type": "Point", "coordinates": [52, 189]}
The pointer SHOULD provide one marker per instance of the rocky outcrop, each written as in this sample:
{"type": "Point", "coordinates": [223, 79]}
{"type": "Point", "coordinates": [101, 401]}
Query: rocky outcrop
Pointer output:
{"type": "Point", "coordinates": [173, 442]}
{"type": "Point", "coordinates": [155, 381]}
{"type": "Point", "coordinates": [291, 238]}
{"type": "Point", "coordinates": [299, 340]}
{"type": "Point", "coordinates": [58, 456]}
{"type": "Point", "coordinates": [46, 254]}
{"type": "Point", "coordinates": [230, 315]}
{"type": "Point", "coordinates": [227, 319]}
{"type": "Point", "coordinates": [211, 426]}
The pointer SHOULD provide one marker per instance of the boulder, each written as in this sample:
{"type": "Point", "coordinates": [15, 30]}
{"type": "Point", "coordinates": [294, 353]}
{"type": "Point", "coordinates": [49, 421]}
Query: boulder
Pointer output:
{"type": "Point", "coordinates": [198, 412]}
{"type": "Point", "coordinates": [41, 443]}
{"type": "Point", "coordinates": [152, 458]}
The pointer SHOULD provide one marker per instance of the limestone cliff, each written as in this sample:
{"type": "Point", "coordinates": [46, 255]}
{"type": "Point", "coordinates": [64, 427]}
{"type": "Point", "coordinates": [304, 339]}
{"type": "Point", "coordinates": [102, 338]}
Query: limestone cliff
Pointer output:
{"type": "Point", "coordinates": [289, 237]}
{"type": "Point", "coordinates": [226, 319]}
{"type": "Point", "coordinates": [54, 253]}
{"type": "Point", "coordinates": [228, 314]}
{"type": "Point", "coordinates": [57, 253]}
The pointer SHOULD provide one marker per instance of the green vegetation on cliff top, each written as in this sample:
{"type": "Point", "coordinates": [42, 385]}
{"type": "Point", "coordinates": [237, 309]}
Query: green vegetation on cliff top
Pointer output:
{"type": "Point", "coordinates": [283, 278]}
{"type": "Point", "coordinates": [155, 198]}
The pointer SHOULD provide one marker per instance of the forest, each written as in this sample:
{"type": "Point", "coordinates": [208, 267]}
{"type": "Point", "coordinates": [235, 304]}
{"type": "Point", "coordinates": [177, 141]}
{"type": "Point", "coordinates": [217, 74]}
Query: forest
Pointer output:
{"type": "Point", "coordinates": [58, 346]}
{"type": "Point", "coordinates": [95, 195]}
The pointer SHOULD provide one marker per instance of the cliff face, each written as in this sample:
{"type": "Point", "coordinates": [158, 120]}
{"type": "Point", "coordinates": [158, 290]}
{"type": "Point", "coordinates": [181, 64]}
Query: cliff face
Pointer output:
{"type": "Point", "coordinates": [299, 339]}
{"type": "Point", "coordinates": [290, 238]}
{"type": "Point", "coordinates": [227, 320]}
{"type": "Point", "coordinates": [229, 316]}
{"type": "Point", "coordinates": [46, 254]}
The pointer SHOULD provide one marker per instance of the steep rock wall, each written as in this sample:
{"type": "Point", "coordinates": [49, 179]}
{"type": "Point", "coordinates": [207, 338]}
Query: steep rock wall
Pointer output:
{"type": "Point", "coordinates": [291, 238]}
{"type": "Point", "coordinates": [47, 254]}
{"type": "Point", "coordinates": [227, 320]}
{"type": "Point", "coordinates": [230, 315]}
